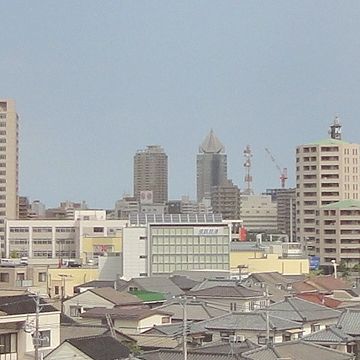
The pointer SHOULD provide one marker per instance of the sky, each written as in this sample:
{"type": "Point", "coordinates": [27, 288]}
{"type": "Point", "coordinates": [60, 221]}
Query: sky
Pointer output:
{"type": "Point", "coordinates": [96, 80]}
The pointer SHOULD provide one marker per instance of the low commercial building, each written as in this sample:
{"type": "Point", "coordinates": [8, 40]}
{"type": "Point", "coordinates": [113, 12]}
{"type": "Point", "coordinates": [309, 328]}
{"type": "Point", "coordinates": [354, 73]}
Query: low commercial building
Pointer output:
{"type": "Point", "coordinates": [157, 245]}
{"type": "Point", "coordinates": [251, 257]}
{"type": "Point", "coordinates": [47, 241]}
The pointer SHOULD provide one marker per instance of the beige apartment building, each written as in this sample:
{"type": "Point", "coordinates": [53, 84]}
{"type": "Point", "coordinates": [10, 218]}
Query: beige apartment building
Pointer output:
{"type": "Point", "coordinates": [327, 171]}
{"type": "Point", "coordinates": [338, 232]}
{"type": "Point", "coordinates": [9, 155]}
{"type": "Point", "coordinates": [151, 174]}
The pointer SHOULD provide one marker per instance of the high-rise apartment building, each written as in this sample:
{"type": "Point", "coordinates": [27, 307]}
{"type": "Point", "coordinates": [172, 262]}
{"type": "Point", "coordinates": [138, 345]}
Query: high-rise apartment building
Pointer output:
{"type": "Point", "coordinates": [211, 166]}
{"type": "Point", "coordinates": [225, 200]}
{"type": "Point", "coordinates": [327, 171]}
{"type": "Point", "coordinates": [151, 173]}
{"type": "Point", "coordinates": [8, 165]}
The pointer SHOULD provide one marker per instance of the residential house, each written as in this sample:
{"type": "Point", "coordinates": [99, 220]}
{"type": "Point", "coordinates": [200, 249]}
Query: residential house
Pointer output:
{"type": "Point", "coordinates": [100, 297]}
{"type": "Point", "coordinates": [253, 326]}
{"type": "Point", "coordinates": [321, 299]}
{"type": "Point", "coordinates": [17, 325]}
{"type": "Point", "coordinates": [165, 354]}
{"type": "Point", "coordinates": [295, 350]}
{"type": "Point", "coordinates": [313, 317]}
{"type": "Point", "coordinates": [130, 320]}
{"type": "Point", "coordinates": [232, 298]}
{"type": "Point", "coordinates": [157, 284]}
{"type": "Point", "coordinates": [103, 347]}
{"type": "Point", "coordinates": [333, 337]}
{"type": "Point", "coordinates": [195, 310]}
{"type": "Point", "coordinates": [183, 282]}
{"type": "Point", "coordinates": [95, 284]}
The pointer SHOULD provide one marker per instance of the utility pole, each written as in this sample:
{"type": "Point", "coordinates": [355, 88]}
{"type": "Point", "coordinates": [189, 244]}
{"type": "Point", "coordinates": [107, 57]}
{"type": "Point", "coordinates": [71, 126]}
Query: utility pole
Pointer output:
{"type": "Point", "coordinates": [36, 337]}
{"type": "Point", "coordinates": [267, 316]}
{"type": "Point", "coordinates": [184, 303]}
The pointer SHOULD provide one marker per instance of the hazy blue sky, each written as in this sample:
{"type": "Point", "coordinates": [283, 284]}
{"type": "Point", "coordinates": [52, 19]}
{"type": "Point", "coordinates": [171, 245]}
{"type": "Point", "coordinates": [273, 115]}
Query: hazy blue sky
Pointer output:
{"type": "Point", "coordinates": [96, 80]}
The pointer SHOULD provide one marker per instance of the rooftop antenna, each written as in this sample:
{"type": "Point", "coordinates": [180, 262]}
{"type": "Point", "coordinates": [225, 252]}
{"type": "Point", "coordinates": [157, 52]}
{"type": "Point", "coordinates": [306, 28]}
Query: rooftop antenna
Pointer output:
{"type": "Point", "coordinates": [247, 165]}
{"type": "Point", "coordinates": [335, 129]}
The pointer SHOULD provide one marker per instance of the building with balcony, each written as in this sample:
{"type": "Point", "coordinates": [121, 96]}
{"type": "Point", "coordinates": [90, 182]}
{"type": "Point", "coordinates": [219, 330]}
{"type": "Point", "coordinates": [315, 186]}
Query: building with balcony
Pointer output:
{"type": "Point", "coordinates": [338, 232]}
{"type": "Point", "coordinates": [327, 171]}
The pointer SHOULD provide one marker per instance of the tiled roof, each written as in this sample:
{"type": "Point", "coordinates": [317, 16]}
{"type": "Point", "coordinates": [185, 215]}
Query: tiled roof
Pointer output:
{"type": "Point", "coordinates": [157, 284]}
{"type": "Point", "coordinates": [209, 283]}
{"type": "Point", "coordinates": [100, 284]}
{"type": "Point", "coordinates": [250, 321]}
{"type": "Point", "coordinates": [349, 322]}
{"type": "Point", "coordinates": [183, 282]}
{"type": "Point", "coordinates": [332, 334]}
{"type": "Point", "coordinates": [238, 291]}
{"type": "Point", "coordinates": [222, 347]}
{"type": "Point", "coordinates": [178, 355]}
{"type": "Point", "coordinates": [148, 341]}
{"type": "Point", "coordinates": [320, 299]}
{"type": "Point", "coordinates": [296, 309]}
{"type": "Point", "coordinates": [100, 347]}
{"type": "Point", "coordinates": [296, 350]}
{"type": "Point", "coordinates": [196, 310]}
{"type": "Point", "coordinates": [272, 277]}
{"type": "Point", "coordinates": [22, 304]}
{"type": "Point", "coordinates": [136, 313]}
{"type": "Point", "coordinates": [116, 297]}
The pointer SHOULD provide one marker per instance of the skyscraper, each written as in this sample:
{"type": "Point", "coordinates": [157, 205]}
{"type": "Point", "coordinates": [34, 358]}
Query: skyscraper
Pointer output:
{"type": "Point", "coordinates": [211, 166]}
{"type": "Point", "coordinates": [151, 173]}
{"type": "Point", "coordinates": [327, 171]}
{"type": "Point", "coordinates": [8, 164]}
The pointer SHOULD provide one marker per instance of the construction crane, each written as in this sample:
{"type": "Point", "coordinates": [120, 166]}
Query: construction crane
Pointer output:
{"type": "Point", "coordinates": [283, 172]}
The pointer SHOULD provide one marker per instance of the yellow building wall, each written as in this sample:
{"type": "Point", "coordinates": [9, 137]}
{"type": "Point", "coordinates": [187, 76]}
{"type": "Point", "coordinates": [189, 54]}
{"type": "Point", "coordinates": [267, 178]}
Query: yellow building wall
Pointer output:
{"type": "Point", "coordinates": [68, 278]}
{"type": "Point", "coordinates": [256, 262]}
{"type": "Point", "coordinates": [91, 242]}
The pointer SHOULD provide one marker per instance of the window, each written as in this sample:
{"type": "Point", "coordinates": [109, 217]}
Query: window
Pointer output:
{"type": "Point", "coordinates": [262, 340]}
{"type": "Point", "coordinates": [56, 290]}
{"type": "Point", "coordinates": [98, 229]}
{"type": "Point", "coordinates": [75, 311]}
{"type": "Point", "coordinates": [45, 339]}
{"type": "Point", "coordinates": [20, 276]}
{"type": "Point", "coordinates": [4, 277]}
{"type": "Point", "coordinates": [8, 343]}
{"type": "Point", "coordinates": [315, 327]}
{"type": "Point", "coordinates": [165, 320]}
{"type": "Point", "coordinates": [42, 277]}
{"type": "Point", "coordinates": [232, 306]}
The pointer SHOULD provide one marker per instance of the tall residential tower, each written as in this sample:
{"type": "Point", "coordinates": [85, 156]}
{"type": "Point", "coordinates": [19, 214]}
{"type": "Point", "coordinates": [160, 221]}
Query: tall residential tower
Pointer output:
{"type": "Point", "coordinates": [9, 157]}
{"type": "Point", "coordinates": [327, 171]}
{"type": "Point", "coordinates": [151, 173]}
{"type": "Point", "coordinates": [211, 166]}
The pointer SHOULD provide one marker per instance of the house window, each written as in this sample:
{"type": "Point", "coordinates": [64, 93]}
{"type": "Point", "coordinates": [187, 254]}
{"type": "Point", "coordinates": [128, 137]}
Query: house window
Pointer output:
{"type": "Point", "coordinates": [42, 277]}
{"type": "Point", "coordinates": [232, 306]}
{"type": "Point", "coordinates": [262, 340]}
{"type": "Point", "coordinates": [20, 276]}
{"type": "Point", "coordinates": [286, 337]}
{"type": "Point", "coordinates": [315, 327]}
{"type": "Point", "coordinates": [4, 277]}
{"type": "Point", "coordinates": [45, 339]}
{"type": "Point", "coordinates": [75, 311]}
{"type": "Point", "coordinates": [8, 343]}
{"type": "Point", "coordinates": [56, 290]}
{"type": "Point", "coordinates": [133, 288]}
{"type": "Point", "coordinates": [98, 229]}
{"type": "Point", "coordinates": [165, 320]}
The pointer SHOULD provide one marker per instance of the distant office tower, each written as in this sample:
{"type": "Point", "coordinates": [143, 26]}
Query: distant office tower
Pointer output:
{"type": "Point", "coordinates": [24, 209]}
{"type": "Point", "coordinates": [286, 210]}
{"type": "Point", "coordinates": [225, 200]}
{"type": "Point", "coordinates": [211, 166]}
{"type": "Point", "coordinates": [151, 173]}
{"type": "Point", "coordinates": [8, 165]}
{"type": "Point", "coordinates": [327, 171]}
{"type": "Point", "coordinates": [259, 213]}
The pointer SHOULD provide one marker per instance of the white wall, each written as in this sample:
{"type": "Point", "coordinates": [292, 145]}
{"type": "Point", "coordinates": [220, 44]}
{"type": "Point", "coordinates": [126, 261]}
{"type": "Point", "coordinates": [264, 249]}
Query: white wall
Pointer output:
{"type": "Point", "coordinates": [133, 248]}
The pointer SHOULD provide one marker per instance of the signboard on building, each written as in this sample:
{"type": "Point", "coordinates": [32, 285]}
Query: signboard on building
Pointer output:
{"type": "Point", "coordinates": [314, 262]}
{"type": "Point", "coordinates": [208, 231]}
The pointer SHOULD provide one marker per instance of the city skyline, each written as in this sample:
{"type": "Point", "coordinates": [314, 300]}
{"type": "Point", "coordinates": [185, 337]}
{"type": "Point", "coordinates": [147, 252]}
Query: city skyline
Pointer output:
{"type": "Point", "coordinates": [158, 73]}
